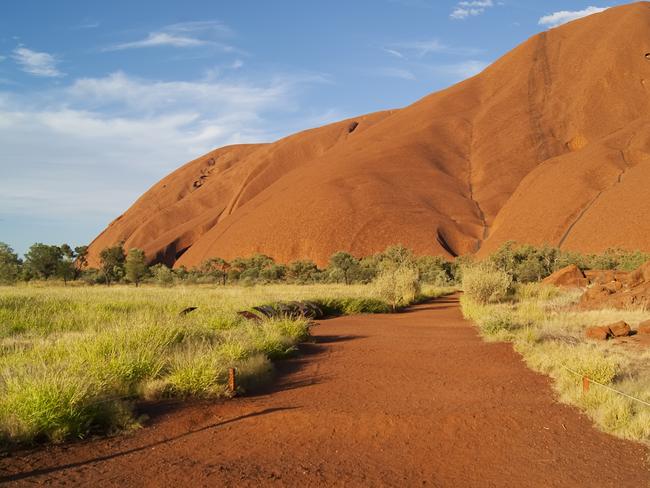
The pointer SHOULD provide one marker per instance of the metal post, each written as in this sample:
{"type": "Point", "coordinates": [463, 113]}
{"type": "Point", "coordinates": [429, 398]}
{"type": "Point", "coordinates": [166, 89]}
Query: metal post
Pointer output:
{"type": "Point", "coordinates": [585, 385]}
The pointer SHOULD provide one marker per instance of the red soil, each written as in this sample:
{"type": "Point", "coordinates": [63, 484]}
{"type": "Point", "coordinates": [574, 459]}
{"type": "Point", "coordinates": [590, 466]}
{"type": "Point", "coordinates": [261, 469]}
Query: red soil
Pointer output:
{"type": "Point", "coordinates": [400, 400]}
{"type": "Point", "coordinates": [550, 144]}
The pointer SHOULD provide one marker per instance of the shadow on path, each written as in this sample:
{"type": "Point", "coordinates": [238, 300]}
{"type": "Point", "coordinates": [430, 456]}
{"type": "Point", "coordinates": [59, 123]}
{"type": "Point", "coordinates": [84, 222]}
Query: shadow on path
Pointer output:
{"type": "Point", "coordinates": [53, 469]}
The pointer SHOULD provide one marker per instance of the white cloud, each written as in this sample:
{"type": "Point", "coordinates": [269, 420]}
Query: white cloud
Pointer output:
{"type": "Point", "coordinates": [394, 52]}
{"type": "Point", "coordinates": [89, 149]}
{"type": "Point", "coordinates": [185, 34]}
{"type": "Point", "coordinates": [425, 47]}
{"type": "Point", "coordinates": [156, 39]}
{"type": "Point", "coordinates": [36, 63]}
{"type": "Point", "coordinates": [562, 17]}
{"type": "Point", "coordinates": [465, 9]}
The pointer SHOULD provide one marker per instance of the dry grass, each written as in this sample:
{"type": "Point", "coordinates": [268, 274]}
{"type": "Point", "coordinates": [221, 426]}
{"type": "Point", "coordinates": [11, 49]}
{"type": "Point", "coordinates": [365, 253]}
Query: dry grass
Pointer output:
{"type": "Point", "coordinates": [548, 331]}
{"type": "Point", "coordinates": [73, 358]}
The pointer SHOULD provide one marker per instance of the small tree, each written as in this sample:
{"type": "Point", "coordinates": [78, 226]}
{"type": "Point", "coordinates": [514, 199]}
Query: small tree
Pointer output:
{"type": "Point", "coordinates": [135, 266]}
{"type": "Point", "coordinates": [66, 268]}
{"type": "Point", "coordinates": [43, 261]}
{"type": "Point", "coordinates": [396, 257]}
{"type": "Point", "coordinates": [10, 264]}
{"type": "Point", "coordinates": [216, 268]}
{"type": "Point", "coordinates": [302, 271]}
{"type": "Point", "coordinates": [484, 283]}
{"type": "Point", "coordinates": [345, 264]}
{"type": "Point", "coordinates": [112, 263]}
{"type": "Point", "coordinates": [434, 270]}
{"type": "Point", "coordinates": [162, 274]}
{"type": "Point", "coordinates": [274, 272]}
{"type": "Point", "coordinates": [81, 253]}
{"type": "Point", "coordinates": [399, 286]}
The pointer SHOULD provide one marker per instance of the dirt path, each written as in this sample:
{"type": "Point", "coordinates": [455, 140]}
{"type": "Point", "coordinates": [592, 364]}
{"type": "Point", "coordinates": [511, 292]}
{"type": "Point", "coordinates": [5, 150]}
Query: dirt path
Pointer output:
{"type": "Point", "coordinates": [415, 399]}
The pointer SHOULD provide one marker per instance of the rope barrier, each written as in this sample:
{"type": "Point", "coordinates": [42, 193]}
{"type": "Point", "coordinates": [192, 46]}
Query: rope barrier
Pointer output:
{"type": "Point", "coordinates": [607, 387]}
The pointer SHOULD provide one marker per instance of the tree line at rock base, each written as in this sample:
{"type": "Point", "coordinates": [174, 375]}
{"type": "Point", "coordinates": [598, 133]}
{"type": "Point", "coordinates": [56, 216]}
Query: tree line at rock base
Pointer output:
{"type": "Point", "coordinates": [524, 263]}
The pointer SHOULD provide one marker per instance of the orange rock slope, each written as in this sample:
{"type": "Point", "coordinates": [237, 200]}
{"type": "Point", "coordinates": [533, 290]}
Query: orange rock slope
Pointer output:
{"type": "Point", "coordinates": [550, 144]}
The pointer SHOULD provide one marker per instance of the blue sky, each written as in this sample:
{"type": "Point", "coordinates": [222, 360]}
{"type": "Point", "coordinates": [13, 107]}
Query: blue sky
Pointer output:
{"type": "Point", "coordinates": [99, 100]}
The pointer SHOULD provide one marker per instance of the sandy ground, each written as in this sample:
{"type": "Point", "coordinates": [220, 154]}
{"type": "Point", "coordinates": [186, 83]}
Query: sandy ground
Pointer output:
{"type": "Point", "coordinates": [415, 399]}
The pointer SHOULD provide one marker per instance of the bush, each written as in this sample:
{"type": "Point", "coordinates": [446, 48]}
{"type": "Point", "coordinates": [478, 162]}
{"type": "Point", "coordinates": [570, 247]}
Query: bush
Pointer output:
{"type": "Point", "coordinates": [162, 275]}
{"type": "Point", "coordinates": [484, 283]}
{"type": "Point", "coordinates": [398, 286]}
{"type": "Point", "coordinates": [434, 270]}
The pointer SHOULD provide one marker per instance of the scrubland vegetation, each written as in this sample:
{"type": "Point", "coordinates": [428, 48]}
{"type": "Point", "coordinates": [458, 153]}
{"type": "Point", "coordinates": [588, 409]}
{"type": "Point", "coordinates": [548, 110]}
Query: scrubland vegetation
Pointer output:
{"type": "Point", "coordinates": [547, 329]}
{"type": "Point", "coordinates": [76, 359]}
{"type": "Point", "coordinates": [77, 356]}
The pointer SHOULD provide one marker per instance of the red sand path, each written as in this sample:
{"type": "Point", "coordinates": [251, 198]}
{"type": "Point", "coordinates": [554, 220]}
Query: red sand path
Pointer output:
{"type": "Point", "coordinates": [403, 400]}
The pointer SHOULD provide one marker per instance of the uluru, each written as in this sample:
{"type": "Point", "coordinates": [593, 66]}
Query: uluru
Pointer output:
{"type": "Point", "coordinates": [549, 144]}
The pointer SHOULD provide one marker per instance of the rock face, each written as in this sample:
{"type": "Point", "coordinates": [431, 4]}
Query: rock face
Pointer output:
{"type": "Point", "coordinates": [550, 144]}
{"type": "Point", "coordinates": [570, 276]}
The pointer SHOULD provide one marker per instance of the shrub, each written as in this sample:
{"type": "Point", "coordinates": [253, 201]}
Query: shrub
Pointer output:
{"type": "Point", "coordinates": [398, 286]}
{"type": "Point", "coordinates": [162, 275]}
{"type": "Point", "coordinates": [434, 270]}
{"type": "Point", "coordinates": [484, 283]}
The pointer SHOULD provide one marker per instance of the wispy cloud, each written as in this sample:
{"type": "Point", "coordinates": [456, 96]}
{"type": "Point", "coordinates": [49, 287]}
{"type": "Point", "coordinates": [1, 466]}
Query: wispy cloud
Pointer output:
{"type": "Point", "coordinates": [563, 16]}
{"type": "Point", "coordinates": [182, 35]}
{"type": "Point", "coordinates": [465, 9]}
{"type": "Point", "coordinates": [393, 52]}
{"type": "Point", "coordinates": [421, 48]}
{"type": "Point", "coordinates": [36, 63]}
{"type": "Point", "coordinates": [156, 39]}
{"type": "Point", "coordinates": [88, 24]}
{"type": "Point", "coordinates": [96, 130]}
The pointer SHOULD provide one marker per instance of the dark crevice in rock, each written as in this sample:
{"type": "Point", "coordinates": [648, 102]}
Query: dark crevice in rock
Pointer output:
{"type": "Point", "coordinates": [445, 245]}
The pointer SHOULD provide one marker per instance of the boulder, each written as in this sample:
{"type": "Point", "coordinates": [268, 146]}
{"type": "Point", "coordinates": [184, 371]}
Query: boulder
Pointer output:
{"type": "Point", "coordinates": [598, 333]}
{"type": "Point", "coordinates": [644, 328]}
{"type": "Point", "coordinates": [595, 293]}
{"type": "Point", "coordinates": [569, 276]}
{"type": "Point", "coordinates": [620, 329]}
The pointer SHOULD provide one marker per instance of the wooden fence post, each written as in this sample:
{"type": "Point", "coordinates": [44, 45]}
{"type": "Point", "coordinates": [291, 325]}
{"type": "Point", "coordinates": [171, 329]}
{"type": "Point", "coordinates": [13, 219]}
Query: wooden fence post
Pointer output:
{"type": "Point", "coordinates": [232, 380]}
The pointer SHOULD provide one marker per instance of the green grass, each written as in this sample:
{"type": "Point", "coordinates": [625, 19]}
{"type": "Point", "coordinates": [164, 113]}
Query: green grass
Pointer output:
{"type": "Point", "coordinates": [74, 359]}
{"type": "Point", "coordinates": [547, 329]}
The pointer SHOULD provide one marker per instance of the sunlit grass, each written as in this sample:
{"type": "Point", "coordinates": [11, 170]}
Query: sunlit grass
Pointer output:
{"type": "Point", "coordinates": [549, 331]}
{"type": "Point", "coordinates": [72, 359]}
